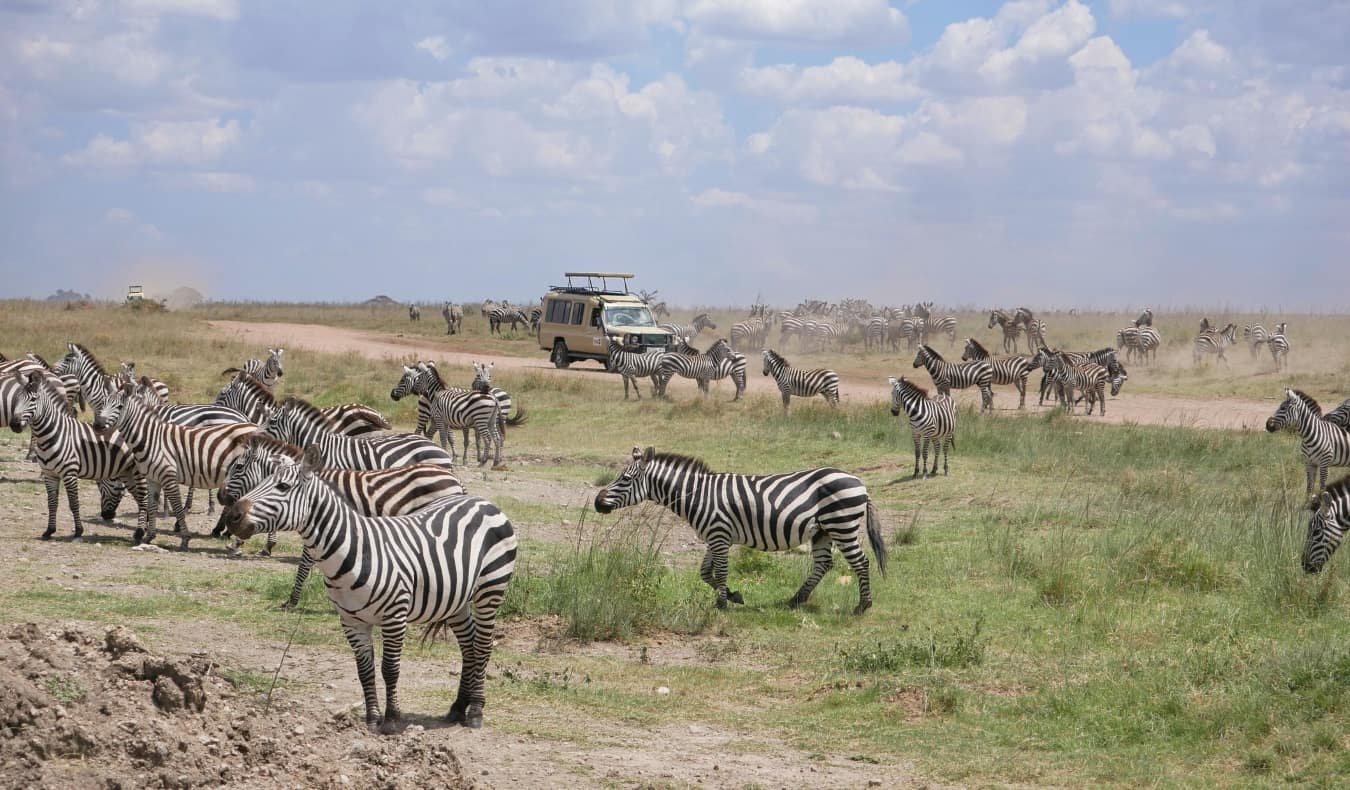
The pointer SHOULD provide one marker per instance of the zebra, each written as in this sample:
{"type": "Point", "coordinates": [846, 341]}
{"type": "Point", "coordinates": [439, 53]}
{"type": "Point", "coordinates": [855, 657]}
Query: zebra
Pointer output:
{"type": "Point", "coordinates": [482, 382]}
{"type": "Point", "coordinates": [945, 325]}
{"type": "Point", "coordinates": [169, 455]}
{"type": "Point", "coordinates": [376, 492]}
{"type": "Point", "coordinates": [1327, 525]}
{"type": "Point", "coordinates": [1105, 357]}
{"type": "Point", "coordinates": [1340, 415]}
{"type": "Point", "coordinates": [699, 323]}
{"type": "Point", "coordinates": [300, 423]}
{"type": "Point", "coordinates": [1088, 377]}
{"type": "Point", "coordinates": [355, 419]}
{"type": "Point", "coordinates": [634, 365]}
{"type": "Point", "coordinates": [1324, 444]}
{"type": "Point", "coordinates": [1211, 342]}
{"type": "Point", "coordinates": [1145, 318]}
{"type": "Point", "coordinates": [1128, 339]}
{"type": "Point", "coordinates": [70, 383]}
{"type": "Point", "coordinates": [774, 512]}
{"type": "Point", "coordinates": [446, 566]}
{"type": "Point", "coordinates": [1279, 347]}
{"type": "Point", "coordinates": [128, 373]}
{"type": "Point", "coordinates": [801, 382]}
{"type": "Point", "coordinates": [875, 333]}
{"type": "Point", "coordinates": [932, 419]}
{"type": "Point", "coordinates": [93, 379]}
{"type": "Point", "coordinates": [246, 394]}
{"type": "Point", "coordinates": [454, 318]}
{"type": "Point", "coordinates": [66, 449]}
{"type": "Point", "coordinates": [452, 408]}
{"type": "Point", "coordinates": [414, 312]}
{"type": "Point", "coordinates": [751, 331]}
{"type": "Point", "coordinates": [1012, 370]}
{"type": "Point", "coordinates": [1011, 330]}
{"type": "Point", "coordinates": [505, 313]}
{"type": "Point", "coordinates": [265, 371]}
{"type": "Point", "coordinates": [791, 326]}
{"type": "Point", "coordinates": [952, 375]}
{"type": "Point", "coordinates": [718, 362]}
{"type": "Point", "coordinates": [1255, 335]}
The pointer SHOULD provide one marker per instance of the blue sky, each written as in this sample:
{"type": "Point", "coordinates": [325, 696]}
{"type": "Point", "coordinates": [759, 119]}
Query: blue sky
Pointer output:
{"type": "Point", "coordinates": [1052, 153]}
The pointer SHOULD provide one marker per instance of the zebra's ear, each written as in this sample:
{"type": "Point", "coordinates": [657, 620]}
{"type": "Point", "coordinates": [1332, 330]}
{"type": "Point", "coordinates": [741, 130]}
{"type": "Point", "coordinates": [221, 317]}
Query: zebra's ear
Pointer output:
{"type": "Point", "coordinates": [32, 380]}
{"type": "Point", "coordinates": [312, 460]}
{"type": "Point", "coordinates": [1323, 501]}
{"type": "Point", "coordinates": [648, 454]}
{"type": "Point", "coordinates": [637, 453]}
{"type": "Point", "coordinates": [892, 380]}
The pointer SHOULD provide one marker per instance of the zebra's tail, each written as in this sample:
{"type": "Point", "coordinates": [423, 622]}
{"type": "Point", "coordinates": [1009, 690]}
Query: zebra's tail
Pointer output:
{"type": "Point", "coordinates": [230, 371]}
{"type": "Point", "coordinates": [874, 536]}
{"type": "Point", "coordinates": [518, 419]}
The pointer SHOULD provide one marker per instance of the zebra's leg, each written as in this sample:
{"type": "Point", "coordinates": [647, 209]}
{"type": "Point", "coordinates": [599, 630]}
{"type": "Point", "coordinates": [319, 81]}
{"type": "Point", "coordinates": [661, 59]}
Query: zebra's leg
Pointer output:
{"type": "Point", "coordinates": [851, 547]}
{"type": "Point", "coordinates": [822, 557]}
{"type": "Point", "coordinates": [358, 637]}
{"type": "Point", "coordinates": [915, 437]}
{"type": "Point", "coordinates": [1021, 384]}
{"type": "Point", "coordinates": [946, 453]}
{"type": "Point", "coordinates": [787, 396]}
{"type": "Point", "coordinates": [484, 622]}
{"type": "Point", "coordinates": [987, 397]}
{"type": "Point", "coordinates": [391, 652]}
{"type": "Point", "coordinates": [72, 483]}
{"type": "Point", "coordinates": [938, 444]}
{"type": "Point", "coordinates": [145, 520]}
{"type": "Point", "coordinates": [717, 563]}
{"type": "Point", "coordinates": [1310, 471]}
{"type": "Point", "coordinates": [463, 628]}
{"type": "Point", "coordinates": [301, 576]}
{"type": "Point", "coordinates": [53, 498]}
{"type": "Point", "coordinates": [187, 501]}
{"type": "Point", "coordinates": [1323, 484]}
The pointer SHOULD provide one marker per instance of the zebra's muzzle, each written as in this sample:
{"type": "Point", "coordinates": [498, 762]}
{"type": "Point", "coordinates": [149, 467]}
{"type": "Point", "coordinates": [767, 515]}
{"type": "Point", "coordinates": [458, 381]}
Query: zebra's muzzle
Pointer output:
{"type": "Point", "coordinates": [603, 505]}
{"type": "Point", "coordinates": [17, 424]}
{"type": "Point", "coordinates": [237, 520]}
{"type": "Point", "coordinates": [1272, 426]}
{"type": "Point", "coordinates": [394, 394]}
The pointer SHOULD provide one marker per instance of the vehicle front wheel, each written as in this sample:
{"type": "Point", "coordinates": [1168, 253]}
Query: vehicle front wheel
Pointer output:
{"type": "Point", "coordinates": [560, 359]}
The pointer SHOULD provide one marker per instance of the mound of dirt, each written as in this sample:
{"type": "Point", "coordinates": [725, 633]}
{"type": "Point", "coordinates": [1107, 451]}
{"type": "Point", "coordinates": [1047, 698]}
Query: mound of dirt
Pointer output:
{"type": "Point", "coordinates": [79, 709]}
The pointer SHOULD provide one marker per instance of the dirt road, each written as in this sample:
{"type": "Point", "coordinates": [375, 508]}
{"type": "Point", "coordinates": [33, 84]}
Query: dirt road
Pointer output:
{"type": "Point", "coordinates": [1144, 409]}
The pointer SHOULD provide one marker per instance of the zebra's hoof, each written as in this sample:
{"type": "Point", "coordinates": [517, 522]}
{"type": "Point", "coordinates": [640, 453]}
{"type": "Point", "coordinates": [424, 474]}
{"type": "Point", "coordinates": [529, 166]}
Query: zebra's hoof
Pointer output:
{"type": "Point", "coordinates": [862, 607]}
{"type": "Point", "coordinates": [456, 713]}
{"type": "Point", "coordinates": [138, 537]}
{"type": "Point", "coordinates": [735, 597]}
{"type": "Point", "coordinates": [721, 603]}
{"type": "Point", "coordinates": [264, 552]}
{"type": "Point", "coordinates": [388, 726]}
{"type": "Point", "coordinates": [76, 538]}
{"type": "Point", "coordinates": [794, 602]}
{"type": "Point", "coordinates": [45, 536]}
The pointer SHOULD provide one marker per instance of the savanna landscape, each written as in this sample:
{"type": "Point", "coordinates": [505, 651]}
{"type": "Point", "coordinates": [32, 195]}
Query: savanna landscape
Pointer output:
{"type": "Point", "coordinates": [1084, 600]}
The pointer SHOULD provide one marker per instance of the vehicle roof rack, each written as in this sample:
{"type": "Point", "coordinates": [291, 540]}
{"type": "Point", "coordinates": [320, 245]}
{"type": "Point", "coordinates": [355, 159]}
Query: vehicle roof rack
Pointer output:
{"type": "Point", "coordinates": [592, 286]}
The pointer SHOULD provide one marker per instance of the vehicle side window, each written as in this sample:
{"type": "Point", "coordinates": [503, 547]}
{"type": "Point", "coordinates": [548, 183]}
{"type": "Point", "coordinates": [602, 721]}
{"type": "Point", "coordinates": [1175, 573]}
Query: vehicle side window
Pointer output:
{"type": "Point", "coordinates": [578, 310]}
{"type": "Point", "coordinates": [557, 311]}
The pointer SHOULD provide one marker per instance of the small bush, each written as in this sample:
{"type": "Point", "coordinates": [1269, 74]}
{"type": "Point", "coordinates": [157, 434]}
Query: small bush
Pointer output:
{"type": "Point", "coordinates": [956, 650]}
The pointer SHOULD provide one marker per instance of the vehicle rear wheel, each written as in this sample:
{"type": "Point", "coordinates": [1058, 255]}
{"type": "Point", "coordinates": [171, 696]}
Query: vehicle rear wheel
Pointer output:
{"type": "Point", "coordinates": [560, 359]}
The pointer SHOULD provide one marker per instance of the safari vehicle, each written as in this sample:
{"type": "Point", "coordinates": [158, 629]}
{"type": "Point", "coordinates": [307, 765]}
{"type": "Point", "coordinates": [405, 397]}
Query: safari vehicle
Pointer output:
{"type": "Point", "coordinates": [580, 318]}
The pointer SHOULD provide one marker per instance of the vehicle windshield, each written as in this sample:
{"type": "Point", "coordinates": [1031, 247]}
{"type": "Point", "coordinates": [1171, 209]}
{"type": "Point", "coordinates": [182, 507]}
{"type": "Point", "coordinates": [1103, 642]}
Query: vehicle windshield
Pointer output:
{"type": "Point", "coordinates": [628, 316]}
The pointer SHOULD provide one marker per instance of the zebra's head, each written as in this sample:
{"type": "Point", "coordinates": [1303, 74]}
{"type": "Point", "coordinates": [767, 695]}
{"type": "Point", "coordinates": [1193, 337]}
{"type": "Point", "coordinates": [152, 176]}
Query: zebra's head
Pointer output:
{"type": "Point", "coordinates": [973, 351]}
{"type": "Point", "coordinates": [260, 458]}
{"type": "Point", "coordinates": [405, 382]}
{"type": "Point", "coordinates": [702, 322]}
{"type": "Point", "coordinates": [273, 365]}
{"type": "Point", "coordinates": [280, 501]}
{"type": "Point", "coordinates": [1118, 376]}
{"type": "Point", "coordinates": [926, 356]}
{"type": "Point", "coordinates": [1294, 412]}
{"type": "Point", "coordinates": [773, 361]}
{"type": "Point", "coordinates": [114, 408]}
{"type": "Point", "coordinates": [1326, 529]}
{"type": "Point", "coordinates": [482, 376]}
{"type": "Point", "coordinates": [630, 487]}
{"type": "Point", "coordinates": [18, 400]}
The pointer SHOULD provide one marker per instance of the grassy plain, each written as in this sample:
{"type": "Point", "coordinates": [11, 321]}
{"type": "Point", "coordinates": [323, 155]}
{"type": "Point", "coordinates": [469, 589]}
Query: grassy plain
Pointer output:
{"type": "Point", "coordinates": [1077, 603]}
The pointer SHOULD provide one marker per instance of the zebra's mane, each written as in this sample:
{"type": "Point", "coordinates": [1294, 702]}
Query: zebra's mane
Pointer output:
{"type": "Point", "coordinates": [435, 374]}
{"type": "Point", "coordinates": [1309, 401]}
{"type": "Point", "coordinates": [909, 386]}
{"type": "Point", "coordinates": [776, 357]}
{"type": "Point", "coordinates": [256, 387]}
{"type": "Point", "coordinates": [90, 358]}
{"type": "Point", "coordinates": [696, 465]}
{"type": "Point", "coordinates": [1338, 491]}
{"type": "Point", "coordinates": [931, 352]}
{"type": "Point", "coordinates": [270, 444]}
{"type": "Point", "coordinates": [979, 347]}
{"type": "Point", "coordinates": [307, 411]}
{"type": "Point", "coordinates": [36, 357]}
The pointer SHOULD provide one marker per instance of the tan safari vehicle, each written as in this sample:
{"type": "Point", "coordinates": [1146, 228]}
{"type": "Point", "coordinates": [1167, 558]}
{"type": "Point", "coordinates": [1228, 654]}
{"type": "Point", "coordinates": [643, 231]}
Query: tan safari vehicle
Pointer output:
{"type": "Point", "coordinates": [580, 318]}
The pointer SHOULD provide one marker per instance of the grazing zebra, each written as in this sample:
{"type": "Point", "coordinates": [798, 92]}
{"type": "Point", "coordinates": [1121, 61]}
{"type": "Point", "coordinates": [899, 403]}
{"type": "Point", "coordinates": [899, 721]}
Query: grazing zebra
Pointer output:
{"type": "Point", "coordinates": [446, 566]}
{"type": "Point", "coordinates": [505, 313]}
{"type": "Point", "coordinates": [767, 512]}
{"type": "Point", "coordinates": [690, 331]}
{"type": "Point", "coordinates": [932, 420]}
{"type": "Point", "coordinates": [634, 365]}
{"type": "Point", "coordinates": [1340, 415]}
{"type": "Point", "coordinates": [1128, 339]}
{"type": "Point", "coordinates": [1210, 342]}
{"type": "Point", "coordinates": [66, 449]}
{"type": "Point", "coordinates": [799, 381]}
{"type": "Point", "coordinates": [168, 456]}
{"type": "Point", "coordinates": [1324, 444]}
{"type": "Point", "coordinates": [718, 362]}
{"type": "Point", "coordinates": [1011, 329]}
{"type": "Point", "coordinates": [958, 375]}
{"type": "Point", "coordinates": [1145, 318]}
{"type": "Point", "coordinates": [265, 371]}
{"type": "Point", "coordinates": [453, 408]}
{"type": "Point", "coordinates": [414, 312]}
{"type": "Point", "coordinates": [377, 492]}
{"type": "Point", "coordinates": [1007, 370]}
{"type": "Point", "coordinates": [1255, 335]}
{"type": "Point", "coordinates": [1327, 525]}
{"type": "Point", "coordinates": [454, 318]}
{"type": "Point", "coordinates": [1279, 347]}
{"type": "Point", "coordinates": [1089, 378]}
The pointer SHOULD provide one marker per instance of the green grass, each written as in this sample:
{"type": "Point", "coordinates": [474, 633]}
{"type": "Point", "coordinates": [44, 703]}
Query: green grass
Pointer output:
{"type": "Point", "coordinates": [1078, 603]}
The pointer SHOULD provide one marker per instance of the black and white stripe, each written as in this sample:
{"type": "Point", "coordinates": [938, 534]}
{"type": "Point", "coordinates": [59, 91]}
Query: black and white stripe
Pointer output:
{"type": "Point", "coordinates": [932, 421]}
{"type": "Point", "coordinates": [802, 382]}
{"type": "Point", "coordinates": [1327, 525]}
{"type": "Point", "coordinates": [66, 449]}
{"type": "Point", "coordinates": [776, 512]}
{"type": "Point", "coordinates": [1007, 370]}
{"type": "Point", "coordinates": [1255, 335]}
{"type": "Point", "coordinates": [1088, 378]}
{"type": "Point", "coordinates": [690, 331]}
{"type": "Point", "coordinates": [1011, 329]}
{"type": "Point", "coordinates": [506, 314]}
{"type": "Point", "coordinates": [718, 362]}
{"type": "Point", "coordinates": [633, 365]}
{"type": "Point", "coordinates": [1324, 444]}
{"type": "Point", "coordinates": [1105, 357]}
{"type": "Point", "coordinates": [168, 456]}
{"type": "Point", "coordinates": [1279, 347]}
{"type": "Point", "coordinates": [446, 566]}
{"type": "Point", "coordinates": [1211, 342]}
{"type": "Point", "coordinates": [452, 409]}
{"type": "Point", "coordinates": [267, 371]}
{"type": "Point", "coordinates": [379, 492]}
{"type": "Point", "coordinates": [300, 423]}
{"type": "Point", "coordinates": [948, 376]}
